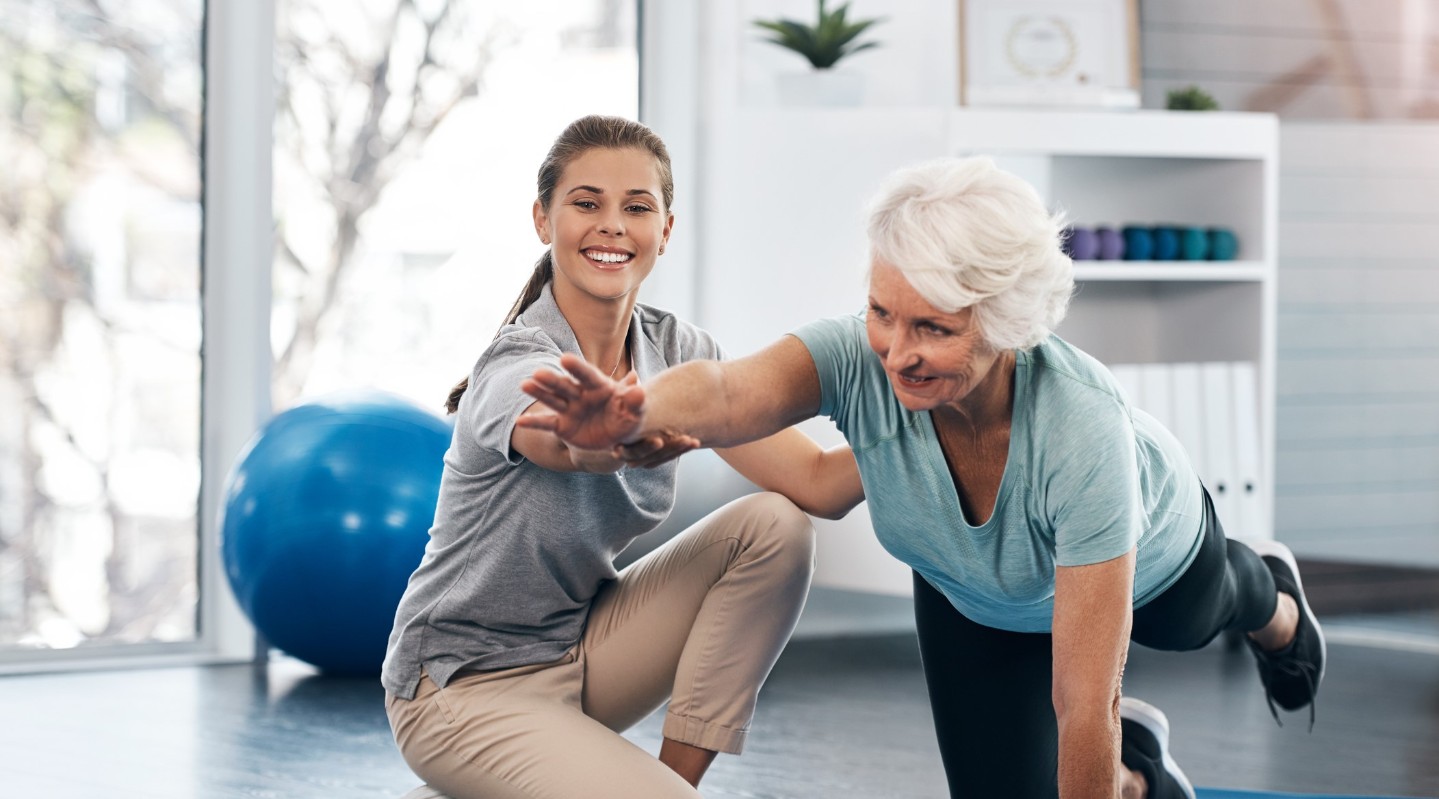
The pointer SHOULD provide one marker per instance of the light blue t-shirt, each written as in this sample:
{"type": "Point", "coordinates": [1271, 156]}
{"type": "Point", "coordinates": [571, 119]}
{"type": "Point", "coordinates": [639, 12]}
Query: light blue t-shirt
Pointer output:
{"type": "Point", "coordinates": [1087, 479]}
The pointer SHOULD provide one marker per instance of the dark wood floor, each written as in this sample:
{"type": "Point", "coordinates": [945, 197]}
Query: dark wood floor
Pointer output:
{"type": "Point", "coordinates": [839, 718]}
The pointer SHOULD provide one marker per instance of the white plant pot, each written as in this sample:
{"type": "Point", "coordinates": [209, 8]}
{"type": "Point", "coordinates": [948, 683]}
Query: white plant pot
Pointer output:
{"type": "Point", "coordinates": [821, 87]}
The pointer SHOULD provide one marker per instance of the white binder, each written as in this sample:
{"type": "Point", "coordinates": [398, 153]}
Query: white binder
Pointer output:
{"type": "Point", "coordinates": [1250, 516]}
{"type": "Point", "coordinates": [1158, 396]}
{"type": "Point", "coordinates": [1188, 404]}
{"type": "Point", "coordinates": [1219, 439]}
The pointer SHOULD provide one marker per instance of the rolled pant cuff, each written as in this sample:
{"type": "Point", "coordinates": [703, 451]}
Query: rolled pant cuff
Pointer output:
{"type": "Point", "coordinates": [704, 734]}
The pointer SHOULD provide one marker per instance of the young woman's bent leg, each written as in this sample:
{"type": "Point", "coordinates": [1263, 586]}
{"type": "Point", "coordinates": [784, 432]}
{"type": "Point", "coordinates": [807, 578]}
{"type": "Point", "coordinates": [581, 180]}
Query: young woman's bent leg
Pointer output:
{"type": "Point", "coordinates": [521, 734]}
{"type": "Point", "coordinates": [703, 618]}
{"type": "Point", "coordinates": [700, 621]}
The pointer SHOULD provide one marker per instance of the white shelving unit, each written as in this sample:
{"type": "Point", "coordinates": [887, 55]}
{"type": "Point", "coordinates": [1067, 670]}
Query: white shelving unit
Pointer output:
{"type": "Point", "coordinates": [1209, 169]}
{"type": "Point", "coordinates": [777, 217]}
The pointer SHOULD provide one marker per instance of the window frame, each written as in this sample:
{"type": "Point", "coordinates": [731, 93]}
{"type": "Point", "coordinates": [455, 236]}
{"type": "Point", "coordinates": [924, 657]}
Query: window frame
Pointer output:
{"type": "Point", "coordinates": [236, 251]}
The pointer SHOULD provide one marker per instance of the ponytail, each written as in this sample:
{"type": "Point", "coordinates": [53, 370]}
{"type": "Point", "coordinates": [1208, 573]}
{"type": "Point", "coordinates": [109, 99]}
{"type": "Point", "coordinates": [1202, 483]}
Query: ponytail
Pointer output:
{"type": "Point", "coordinates": [544, 270]}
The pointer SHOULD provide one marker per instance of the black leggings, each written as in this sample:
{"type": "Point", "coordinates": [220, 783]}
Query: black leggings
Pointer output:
{"type": "Point", "coordinates": [990, 690]}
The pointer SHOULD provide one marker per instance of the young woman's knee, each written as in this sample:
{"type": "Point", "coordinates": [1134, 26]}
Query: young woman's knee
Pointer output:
{"type": "Point", "coordinates": [779, 523]}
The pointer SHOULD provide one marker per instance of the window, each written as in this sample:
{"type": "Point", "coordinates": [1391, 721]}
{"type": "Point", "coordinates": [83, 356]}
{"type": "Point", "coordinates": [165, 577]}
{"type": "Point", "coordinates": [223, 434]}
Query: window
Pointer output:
{"type": "Point", "coordinates": [100, 225]}
{"type": "Point", "coordinates": [402, 236]}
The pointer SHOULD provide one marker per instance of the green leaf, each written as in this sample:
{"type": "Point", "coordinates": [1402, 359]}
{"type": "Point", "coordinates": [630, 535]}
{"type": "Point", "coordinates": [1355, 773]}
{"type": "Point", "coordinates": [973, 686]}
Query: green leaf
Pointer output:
{"type": "Point", "coordinates": [826, 41]}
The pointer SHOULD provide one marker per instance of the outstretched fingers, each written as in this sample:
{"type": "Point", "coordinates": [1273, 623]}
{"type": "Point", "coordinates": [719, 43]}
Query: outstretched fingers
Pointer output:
{"type": "Point", "coordinates": [538, 421]}
{"type": "Point", "coordinates": [584, 373]}
{"type": "Point", "coordinates": [552, 388]}
{"type": "Point", "coordinates": [587, 409]}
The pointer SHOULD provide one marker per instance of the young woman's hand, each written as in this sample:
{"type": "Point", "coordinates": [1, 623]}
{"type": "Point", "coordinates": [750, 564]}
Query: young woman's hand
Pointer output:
{"type": "Point", "coordinates": [656, 448]}
{"type": "Point", "coordinates": [644, 453]}
{"type": "Point", "coordinates": [588, 410]}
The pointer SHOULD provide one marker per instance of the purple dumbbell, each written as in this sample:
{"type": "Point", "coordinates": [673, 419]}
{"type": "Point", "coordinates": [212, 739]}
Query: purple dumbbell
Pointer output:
{"type": "Point", "coordinates": [1111, 244]}
{"type": "Point", "coordinates": [1081, 243]}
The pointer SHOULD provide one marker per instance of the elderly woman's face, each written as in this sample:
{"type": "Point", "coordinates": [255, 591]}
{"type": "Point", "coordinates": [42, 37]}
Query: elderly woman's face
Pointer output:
{"type": "Point", "coordinates": [933, 358]}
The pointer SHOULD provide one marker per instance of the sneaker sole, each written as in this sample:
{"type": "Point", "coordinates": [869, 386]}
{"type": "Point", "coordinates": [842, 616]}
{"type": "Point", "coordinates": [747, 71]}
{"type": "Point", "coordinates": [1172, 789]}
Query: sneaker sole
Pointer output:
{"type": "Point", "coordinates": [1274, 549]}
{"type": "Point", "coordinates": [1153, 719]}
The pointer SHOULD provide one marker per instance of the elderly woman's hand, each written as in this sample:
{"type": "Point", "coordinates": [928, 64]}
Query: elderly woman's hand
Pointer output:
{"type": "Point", "coordinates": [588, 410]}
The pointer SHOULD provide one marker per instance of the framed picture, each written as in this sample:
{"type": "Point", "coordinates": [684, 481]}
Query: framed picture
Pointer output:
{"type": "Point", "coordinates": [1078, 53]}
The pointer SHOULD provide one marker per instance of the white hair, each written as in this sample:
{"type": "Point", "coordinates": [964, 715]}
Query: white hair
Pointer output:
{"type": "Point", "coordinates": [966, 234]}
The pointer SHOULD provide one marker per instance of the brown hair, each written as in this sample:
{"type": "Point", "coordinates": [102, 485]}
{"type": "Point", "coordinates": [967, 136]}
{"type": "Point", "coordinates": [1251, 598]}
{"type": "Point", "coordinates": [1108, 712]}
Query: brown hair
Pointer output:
{"type": "Point", "coordinates": [581, 136]}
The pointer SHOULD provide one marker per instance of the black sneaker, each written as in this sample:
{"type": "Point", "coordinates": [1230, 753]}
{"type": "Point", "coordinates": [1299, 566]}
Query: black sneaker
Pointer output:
{"type": "Point", "coordinates": [1291, 676]}
{"type": "Point", "coordinates": [1144, 748]}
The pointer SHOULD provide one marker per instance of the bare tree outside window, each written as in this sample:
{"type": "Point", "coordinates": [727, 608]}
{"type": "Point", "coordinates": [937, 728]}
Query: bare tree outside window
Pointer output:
{"type": "Point", "coordinates": [399, 127]}
{"type": "Point", "coordinates": [99, 354]}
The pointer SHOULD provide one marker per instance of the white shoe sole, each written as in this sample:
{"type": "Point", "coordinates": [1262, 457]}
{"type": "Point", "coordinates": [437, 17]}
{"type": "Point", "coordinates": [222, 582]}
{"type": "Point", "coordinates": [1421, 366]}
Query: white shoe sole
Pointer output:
{"type": "Point", "coordinates": [1154, 720]}
{"type": "Point", "coordinates": [1274, 549]}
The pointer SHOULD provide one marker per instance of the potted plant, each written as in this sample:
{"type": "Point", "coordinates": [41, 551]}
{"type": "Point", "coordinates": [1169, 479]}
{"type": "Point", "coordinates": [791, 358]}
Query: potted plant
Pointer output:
{"type": "Point", "coordinates": [832, 37]}
{"type": "Point", "coordinates": [1190, 98]}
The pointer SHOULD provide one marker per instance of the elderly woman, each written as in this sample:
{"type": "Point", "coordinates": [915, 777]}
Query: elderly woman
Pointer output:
{"type": "Point", "coordinates": [1048, 522]}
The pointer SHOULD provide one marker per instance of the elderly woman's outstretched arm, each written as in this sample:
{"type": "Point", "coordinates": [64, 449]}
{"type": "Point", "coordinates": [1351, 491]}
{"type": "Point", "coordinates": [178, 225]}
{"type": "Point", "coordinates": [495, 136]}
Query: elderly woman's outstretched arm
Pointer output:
{"type": "Point", "coordinates": [725, 405]}
{"type": "Point", "coordinates": [721, 403]}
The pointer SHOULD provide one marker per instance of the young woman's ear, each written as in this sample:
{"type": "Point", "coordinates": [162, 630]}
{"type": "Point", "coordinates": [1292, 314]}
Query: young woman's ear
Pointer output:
{"type": "Point", "coordinates": [669, 226]}
{"type": "Point", "coordinates": [542, 223]}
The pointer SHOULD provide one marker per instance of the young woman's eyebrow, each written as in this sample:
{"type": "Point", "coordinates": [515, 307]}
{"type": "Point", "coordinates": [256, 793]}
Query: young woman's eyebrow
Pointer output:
{"type": "Point", "coordinates": [598, 190]}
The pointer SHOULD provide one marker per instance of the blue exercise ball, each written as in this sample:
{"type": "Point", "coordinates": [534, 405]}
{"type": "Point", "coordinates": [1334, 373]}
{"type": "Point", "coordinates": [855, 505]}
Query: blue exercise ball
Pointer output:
{"type": "Point", "coordinates": [326, 513]}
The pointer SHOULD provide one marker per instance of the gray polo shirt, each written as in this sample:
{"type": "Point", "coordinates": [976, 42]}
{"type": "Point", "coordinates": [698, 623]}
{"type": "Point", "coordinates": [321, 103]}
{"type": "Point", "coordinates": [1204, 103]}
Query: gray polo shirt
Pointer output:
{"type": "Point", "coordinates": [517, 552]}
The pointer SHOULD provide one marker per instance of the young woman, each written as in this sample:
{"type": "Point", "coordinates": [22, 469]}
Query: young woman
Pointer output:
{"type": "Point", "coordinates": [518, 652]}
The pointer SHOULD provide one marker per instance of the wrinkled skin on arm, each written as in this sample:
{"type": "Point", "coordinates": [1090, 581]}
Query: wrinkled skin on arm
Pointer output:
{"type": "Point", "coordinates": [726, 405]}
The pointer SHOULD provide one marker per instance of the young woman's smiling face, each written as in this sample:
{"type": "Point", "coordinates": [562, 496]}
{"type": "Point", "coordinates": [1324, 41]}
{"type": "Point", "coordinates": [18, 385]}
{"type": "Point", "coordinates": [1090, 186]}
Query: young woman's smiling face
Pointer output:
{"type": "Point", "coordinates": [932, 357]}
{"type": "Point", "coordinates": [607, 222]}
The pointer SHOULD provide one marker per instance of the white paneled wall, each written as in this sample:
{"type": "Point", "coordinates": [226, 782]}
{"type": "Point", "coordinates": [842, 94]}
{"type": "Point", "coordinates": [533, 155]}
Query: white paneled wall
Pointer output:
{"type": "Point", "coordinates": [1300, 58]}
{"type": "Point", "coordinates": [1357, 465]}
{"type": "Point", "coordinates": [1358, 370]}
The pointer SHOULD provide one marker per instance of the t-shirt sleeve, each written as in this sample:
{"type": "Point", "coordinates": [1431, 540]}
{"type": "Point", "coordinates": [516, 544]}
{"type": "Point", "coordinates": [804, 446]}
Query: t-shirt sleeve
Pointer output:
{"type": "Point", "coordinates": [1093, 496]}
{"type": "Point", "coordinates": [697, 344]}
{"type": "Point", "coordinates": [494, 400]}
{"type": "Point", "coordinates": [838, 347]}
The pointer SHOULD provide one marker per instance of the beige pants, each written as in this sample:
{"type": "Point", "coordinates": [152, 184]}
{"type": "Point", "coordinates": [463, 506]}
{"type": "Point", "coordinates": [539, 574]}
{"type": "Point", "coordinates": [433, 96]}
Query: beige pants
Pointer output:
{"type": "Point", "coordinates": [699, 621]}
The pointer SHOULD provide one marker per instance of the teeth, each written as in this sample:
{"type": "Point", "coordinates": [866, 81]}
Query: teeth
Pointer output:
{"type": "Point", "coordinates": [608, 257]}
